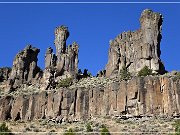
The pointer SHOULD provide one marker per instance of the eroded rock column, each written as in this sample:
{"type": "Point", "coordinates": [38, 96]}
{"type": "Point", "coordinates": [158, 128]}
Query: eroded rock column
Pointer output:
{"type": "Point", "coordinates": [137, 49]}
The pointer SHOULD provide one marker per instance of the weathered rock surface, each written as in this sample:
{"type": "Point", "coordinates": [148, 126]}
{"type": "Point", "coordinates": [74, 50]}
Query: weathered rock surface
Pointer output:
{"type": "Point", "coordinates": [67, 57]}
{"type": "Point", "coordinates": [5, 109]}
{"type": "Point", "coordinates": [88, 97]}
{"type": "Point", "coordinates": [140, 96]}
{"type": "Point", "coordinates": [50, 58]}
{"type": "Point", "coordinates": [25, 67]}
{"type": "Point", "coordinates": [4, 73]}
{"type": "Point", "coordinates": [63, 64]}
{"type": "Point", "coordinates": [137, 49]}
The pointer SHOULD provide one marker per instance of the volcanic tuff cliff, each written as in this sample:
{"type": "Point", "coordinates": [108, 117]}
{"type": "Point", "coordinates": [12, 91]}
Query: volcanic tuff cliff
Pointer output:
{"type": "Point", "coordinates": [29, 93]}
{"type": "Point", "coordinates": [137, 49]}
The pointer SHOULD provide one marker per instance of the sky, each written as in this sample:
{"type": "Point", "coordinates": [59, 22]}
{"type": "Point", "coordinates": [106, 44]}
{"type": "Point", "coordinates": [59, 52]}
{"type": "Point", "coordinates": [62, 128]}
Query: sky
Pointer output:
{"type": "Point", "coordinates": [92, 26]}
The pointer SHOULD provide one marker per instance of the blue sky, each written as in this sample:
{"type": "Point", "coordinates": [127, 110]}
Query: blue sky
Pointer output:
{"type": "Point", "coordinates": [91, 25]}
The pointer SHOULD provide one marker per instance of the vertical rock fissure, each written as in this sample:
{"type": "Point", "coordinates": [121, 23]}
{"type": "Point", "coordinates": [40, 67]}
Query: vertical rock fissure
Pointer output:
{"type": "Point", "coordinates": [143, 92]}
{"type": "Point", "coordinates": [75, 100]}
{"type": "Point", "coordinates": [18, 117]}
{"type": "Point", "coordinates": [126, 94]}
{"type": "Point", "coordinates": [60, 105]}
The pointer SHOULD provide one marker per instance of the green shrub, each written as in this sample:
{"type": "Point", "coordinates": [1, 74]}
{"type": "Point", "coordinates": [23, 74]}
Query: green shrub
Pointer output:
{"type": "Point", "coordinates": [177, 77]}
{"type": "Point", "coordinates": [105, 131]}
{"type": "Point", "coordinates": [89, 74]}
{"type": "Point", "coordinates": [125, 74]}
{"type": "Point", "coordinates": [88, 128]}
{"type": "Point", "coordinates": [177, 127]}
{"type": "Point", "coordinates": [145, 71]}
{"type": "Point", "coordinates": [3, 129]}
{"type": "Point", "coordinates": [85, 74]}
{"type": "Point", "coordinates": [69, 132]}
{"type": "Point", "coordinates": [79, 72]}
{"type": "Point", "coordinates": [65, 83]}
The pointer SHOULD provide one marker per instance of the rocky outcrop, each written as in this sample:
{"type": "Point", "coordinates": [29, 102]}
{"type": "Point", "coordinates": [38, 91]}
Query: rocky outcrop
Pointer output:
{"type": "Point", "coordinates": [67, 57]}
{"type": "Point", "coordinates": [5, 107]}
{"type": "Point", "coordinates": [137, 49]}
{"type": "Point", "coordinates": [48, 79]}
{"type": "Point", "coordinates": [138, 97]}
{"type": "Point", "coordinates": [50, 58]}
{"type": "Point", "coordinates": [92, 96]}
{"type": "Point", "coordinates": [63, 64]}
{"type": "Point", "coordinates": [25, 67]}
{"type": "Point", "coordinates": [61, 35]}
{"type": "Point", "coordinates": [4, 73]}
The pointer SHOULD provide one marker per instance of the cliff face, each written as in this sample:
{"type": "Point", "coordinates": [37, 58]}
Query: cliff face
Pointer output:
{"type": "Point", "coordinates": [140, 96]}
{"type": "Point", "coordinates": [35, 94]}
{"type": "Point", "coordinates": [137, 49]}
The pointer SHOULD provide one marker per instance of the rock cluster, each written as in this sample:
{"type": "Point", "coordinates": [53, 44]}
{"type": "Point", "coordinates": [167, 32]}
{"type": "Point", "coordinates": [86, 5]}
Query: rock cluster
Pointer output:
{"type": "Point", "coordinates": [63, 64]}
{"type": "Point", "coordinates": [38, 97]}
{"type": "Point", "coordinates": [25, 68]}
{"type": "Point", "coordinates": [4, 73]}
{"type": "Point", "coordinates": [137, 49]}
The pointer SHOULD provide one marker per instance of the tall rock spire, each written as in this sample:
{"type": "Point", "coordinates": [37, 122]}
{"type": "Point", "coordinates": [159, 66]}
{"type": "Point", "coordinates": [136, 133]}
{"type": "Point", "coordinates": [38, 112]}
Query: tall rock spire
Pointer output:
{"type": "Point", "coordinates": [137, 49]}
{"type": "Point", "coordinates": [67, 57]}
{"type": "Point", "coordinates": [63, 64]}
{"type": "Point", "coordinates": [50, 58]}
{"type": "Point", "coordinates": [61, 35]}
{"type": "Point", "coordinates": [151, 24]}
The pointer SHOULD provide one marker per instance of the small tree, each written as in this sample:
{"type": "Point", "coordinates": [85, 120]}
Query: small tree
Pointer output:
{"type": "Point", "coordinates": [125, 74]}
{"type": "Point", "coordinates": [79, 72]}
{"type": "Point", "coordinates": [4, 129]}
{"type": "Point", "coordinates": [85, 74]}
{"type": "Point", "coordinates": [89, 74]}
{"type": "Point", "coordinates": [145, 71]}
{"type": "Point", "coordinates": [177, 77]}
{"type": "Point", "coordinates": [88, 128]}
